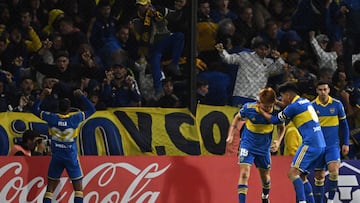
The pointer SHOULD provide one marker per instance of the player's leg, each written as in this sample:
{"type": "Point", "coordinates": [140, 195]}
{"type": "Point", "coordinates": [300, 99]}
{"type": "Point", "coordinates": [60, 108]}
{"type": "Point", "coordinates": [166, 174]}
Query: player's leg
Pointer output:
{"type": "Point", "coordinates": [245, 161]}
{"type": "Point", "coordinates": [51, 185]}
{"type": "Point", "coordinates": [263, 164]}
{"type": "Point", "coordinates": [77, 185]}
{"type": "Point", "coordinates": [243, 182]}
{"type": "Point", "coordinates": [319, 180]}
{"type": "Point", "coordinates": [332, 159]}
{"type": "Point", "coordinates": [265, 179]}
{"type": "Point", "coordinates": [303, 160]}
{"type": "Point", "coordinates": [54, 172]}
{"type": "Point", "coordinates": [333, 168]}
{"type": "Point", "coordinates": [75, 173]}
{"type": "Point", "coordinates": [294, 176]}
{"type": "Point", "coordinates": [307, 189]}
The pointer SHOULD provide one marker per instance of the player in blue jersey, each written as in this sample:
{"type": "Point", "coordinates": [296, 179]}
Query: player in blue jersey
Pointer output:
{"type": "Point", "coordinates": [303, 115]}
{"type": "Point", "coordinates": [332, 116]}
{"type": "Point", "coordinates": [256, 141]}
{"type": "Point", "coordinates": [63, 129]}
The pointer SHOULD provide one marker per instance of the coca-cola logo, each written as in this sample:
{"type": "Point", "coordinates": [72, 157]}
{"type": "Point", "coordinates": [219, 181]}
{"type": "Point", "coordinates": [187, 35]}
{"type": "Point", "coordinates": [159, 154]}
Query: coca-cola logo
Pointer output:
{"type": "Point", "coordinates": [19, 189]}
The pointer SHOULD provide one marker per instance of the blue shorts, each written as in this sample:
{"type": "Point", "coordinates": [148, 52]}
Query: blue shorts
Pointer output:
{"type": "Point", "coordinates": [308, 157]}
{"type": "Point", "coordinates": [64, 156]}
{"type": "Point", "coordinates": [332, 154]}
{"type": "Point", "coordinates": [261, 161]}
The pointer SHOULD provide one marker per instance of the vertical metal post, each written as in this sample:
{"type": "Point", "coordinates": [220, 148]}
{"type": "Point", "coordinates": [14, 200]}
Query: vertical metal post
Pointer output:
{"type": "Point", "coordinates": [192, 55]}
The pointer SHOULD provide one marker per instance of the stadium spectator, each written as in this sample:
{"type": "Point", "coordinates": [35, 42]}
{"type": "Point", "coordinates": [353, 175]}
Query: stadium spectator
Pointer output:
{"type": "Point", "coordinates": [202, 88]}
{"type": "Point", "coordinates": [169, 99]}
{"type": "Point", "coordinates": [222, 11]}
{"type": "Point", "coordinates": [102, 31]}
{"type": "Point", "coordinates": [120, 89]}
{"type": "Point", "coordinates": [72, 36]}
{"type": "Point", "coordinates": [27, 144]}
{"type": "Point", "coordinates": [245, 26]}
{"type": "Point", "coordinates": [161, 40]}
{"type": "Point", "coordinates": [249, 81]}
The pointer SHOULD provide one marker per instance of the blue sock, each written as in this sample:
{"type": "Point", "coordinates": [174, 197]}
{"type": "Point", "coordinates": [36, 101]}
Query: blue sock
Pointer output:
{"type": "Point", "coordinates": [47, 197]}
{"type": "Point", "coordinates": [299, 189]}
{"type": "Point", "coordinates": [242, 191]}
{"type": "Point", "coordinates": [78, 197]}
{"type": "Point", "coordinates": [332, 185]}
{"type": "Point", "coordinates": [308, 192]}
{"type": "Point", "coordinates": [319, 190]}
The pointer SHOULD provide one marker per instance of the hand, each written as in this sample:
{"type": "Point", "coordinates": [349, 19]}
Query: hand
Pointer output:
{"type": "Point", "coordinates": [45, 92]}
{"type": "Point", "coordinates": [275, 54]}
{"type": "Point", "coordinates": [24, 100]}
{"type": "Point", "coordinates": [78, 93]}
{"type": "Point", "coordinates": [219, 47]}
{"type": "Point", "coordinates": [274, 146]}
{"type": "Point", "coordinates": [230, 138]}
{"type": "Point", "coordinates": [129, 80]}
{"type": "Point", "coordinates": [312, 35]}
{"type": "Point", "coordinates": [47, 44]}
{"type": "Point", "coordinates": [345, 150]}
{"type": "Point", "coordinates": [18, 61]}
{"type": "Point", "coordinates": [109, 76]}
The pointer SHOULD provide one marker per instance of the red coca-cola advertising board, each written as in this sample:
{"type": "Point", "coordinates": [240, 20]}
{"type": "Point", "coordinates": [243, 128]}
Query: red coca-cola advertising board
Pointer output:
{"type": "Point", "coordinates": [207, 179]}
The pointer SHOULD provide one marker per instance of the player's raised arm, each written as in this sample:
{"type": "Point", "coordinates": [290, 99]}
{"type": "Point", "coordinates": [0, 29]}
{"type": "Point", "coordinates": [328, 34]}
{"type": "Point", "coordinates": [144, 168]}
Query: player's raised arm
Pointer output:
{"type": "Point", "coordinates": [89, 106]}
{"type": "Point", "coordinates": [36, 107]}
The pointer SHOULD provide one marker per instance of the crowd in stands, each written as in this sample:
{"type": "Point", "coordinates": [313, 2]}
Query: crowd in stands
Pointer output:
{"type": "Point", "coordinates": [133, 53]}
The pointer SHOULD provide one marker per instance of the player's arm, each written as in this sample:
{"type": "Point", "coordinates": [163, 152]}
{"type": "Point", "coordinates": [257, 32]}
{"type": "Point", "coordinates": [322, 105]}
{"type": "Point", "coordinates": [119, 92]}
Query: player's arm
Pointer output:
{"type": "Point", "coordinates": [36, 106]}
{"type": "Point", "coordinates": [89, 106]}
{"type": "Point", "coordinates": [276, 143]}
{"type": "Point", "coordinates": [344, 127]}
{"type": "Point", "coordinates": [236, 125]}
{"type": "Point", "coordinates": [280, 118]}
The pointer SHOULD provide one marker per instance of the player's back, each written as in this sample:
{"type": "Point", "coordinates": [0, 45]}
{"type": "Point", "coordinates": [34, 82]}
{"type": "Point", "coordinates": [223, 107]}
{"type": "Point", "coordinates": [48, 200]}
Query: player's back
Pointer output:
{"type": "Point", "coordinates": [63, 128]}
{"type": "Point", "coordinates": [303, 114]}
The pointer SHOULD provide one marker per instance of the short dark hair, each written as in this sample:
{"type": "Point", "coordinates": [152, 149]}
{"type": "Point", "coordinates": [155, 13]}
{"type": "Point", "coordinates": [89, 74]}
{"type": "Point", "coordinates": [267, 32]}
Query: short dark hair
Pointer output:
{"type": "Point", "coordinates": [200, 82]}
{"type": "Point", "coordinates": [322, 83]}
{"type": "Point", "coordinates": [64, 105]}
{"type": "Point", "coordinates": [29, 135]}
{"type": "Point", "coordinates": [62, 53]}
{"type": "Point", "coordinates": [288, 87]}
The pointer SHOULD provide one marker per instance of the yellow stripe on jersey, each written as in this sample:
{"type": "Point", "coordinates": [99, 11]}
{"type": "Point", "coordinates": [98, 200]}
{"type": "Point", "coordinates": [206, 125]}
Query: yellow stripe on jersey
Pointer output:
{"type": "Point", "coordinates": [301, 156]}
{"type": "Point", "coordinates": [329, 121]}
{"type": "Point", "coordinates": [302, 118]}
{"type": "Point", "coordinates": [259, 128]}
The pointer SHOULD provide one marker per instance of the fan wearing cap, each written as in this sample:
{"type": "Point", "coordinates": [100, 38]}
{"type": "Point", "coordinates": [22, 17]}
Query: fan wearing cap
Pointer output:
{"type": "Point", "coordinates": [154, 38]}
{"type": "Point", "coordinates": [253, 71]}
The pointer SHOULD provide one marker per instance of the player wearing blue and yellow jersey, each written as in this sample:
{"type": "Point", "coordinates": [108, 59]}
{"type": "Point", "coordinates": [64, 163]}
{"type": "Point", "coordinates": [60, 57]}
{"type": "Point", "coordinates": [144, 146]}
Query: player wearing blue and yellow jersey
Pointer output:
{"type": "Point", "coordinates": [255, 142]}
{"type": "Point", "coordinates": [63, 131]}
{"type": "Point", "coordinates": [302, 114]}
{"type": "Point", "coordinates": [332, 116]}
